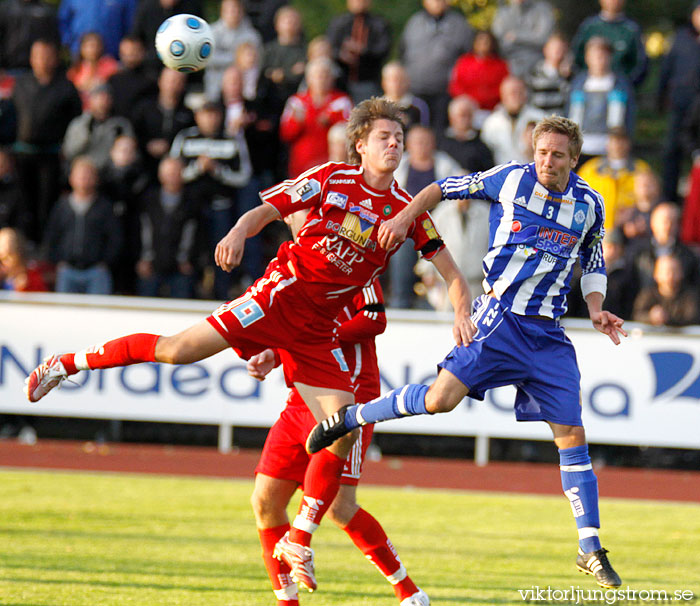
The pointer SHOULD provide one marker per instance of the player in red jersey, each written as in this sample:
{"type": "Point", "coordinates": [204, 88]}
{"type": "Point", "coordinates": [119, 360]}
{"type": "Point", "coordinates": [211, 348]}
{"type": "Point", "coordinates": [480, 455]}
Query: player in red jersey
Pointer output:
{"type": "Point", "coordinates": [284, 459]}
{"type": "Point", "coordinates": [294, 305]}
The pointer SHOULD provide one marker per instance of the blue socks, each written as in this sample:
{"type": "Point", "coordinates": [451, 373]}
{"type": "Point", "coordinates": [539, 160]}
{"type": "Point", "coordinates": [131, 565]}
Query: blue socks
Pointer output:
{"type": "Point", "coordinates": [581, 488]}
{"type": "Point", "coordinates": [401, 402]}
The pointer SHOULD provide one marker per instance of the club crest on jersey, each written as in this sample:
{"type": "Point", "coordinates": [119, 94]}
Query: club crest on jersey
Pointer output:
{"type": "Point", "coordinates": [387, 210]}
{"type": "Point", "coordinates": [336, 199]}
{"type": "Point", "coordinates": [364, 214]}
{"type": "Point", "coordinates": [580, 216]}
{"type": "Point", "coordinates": [357, 230]}
{"type": "Point", "coordinates": [430, 230]}
{"type": "Point", "coordinates": [302, 191]}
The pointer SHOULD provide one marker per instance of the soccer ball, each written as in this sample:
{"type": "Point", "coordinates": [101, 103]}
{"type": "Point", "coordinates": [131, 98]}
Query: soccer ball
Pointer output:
{"type": "Point", "coordinates": [184, 43]}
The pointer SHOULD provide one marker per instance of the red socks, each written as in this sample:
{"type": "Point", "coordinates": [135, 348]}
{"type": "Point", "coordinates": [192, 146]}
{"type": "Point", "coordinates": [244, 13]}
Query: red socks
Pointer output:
{"type": "Point", "coordinates": [132, 349]}
{"type": "Point", "coordinates": [285, 589]}
{"type": "Point", "coordinates": [321, 483]}
{"type": "Point", "coordinates": [369, 537]}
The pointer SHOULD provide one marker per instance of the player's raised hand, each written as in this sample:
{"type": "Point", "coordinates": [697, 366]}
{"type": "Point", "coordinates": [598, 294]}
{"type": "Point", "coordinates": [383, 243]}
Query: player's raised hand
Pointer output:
{"type": "Point", "coordinates": [260, 365]}
{"type": "Point", "coordinates": [609, 324]}
{"type": "Point", "coordinates": [392, 232]}
{"type": "Point", "coordinates": [229, 250]}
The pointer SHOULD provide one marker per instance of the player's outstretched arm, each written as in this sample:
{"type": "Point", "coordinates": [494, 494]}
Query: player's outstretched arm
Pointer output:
{"type": "Point", "coordinates": [394, 230]}
{"type": "Point", "coordinates": [604, 321]}
{"type": "Point", "coordinates": [229, 251]}
{"type": "Point", "coordinates": [458, 291]}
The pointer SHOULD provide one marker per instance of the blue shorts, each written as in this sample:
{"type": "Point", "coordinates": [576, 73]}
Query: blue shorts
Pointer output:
{"type": "Point", "coordinates": [534, 354]}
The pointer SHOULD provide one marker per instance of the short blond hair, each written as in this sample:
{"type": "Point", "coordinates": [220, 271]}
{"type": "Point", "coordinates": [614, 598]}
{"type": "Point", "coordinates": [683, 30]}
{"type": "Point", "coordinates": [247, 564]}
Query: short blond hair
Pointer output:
{"type": "Point", "coordinates": [362, 119]}
{"type": "Point", "coordinates": [561, 126]}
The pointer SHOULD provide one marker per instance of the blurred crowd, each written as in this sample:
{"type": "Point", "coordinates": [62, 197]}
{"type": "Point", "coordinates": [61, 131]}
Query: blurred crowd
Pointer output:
{"type": "Point", "coordinates": [118, 175]}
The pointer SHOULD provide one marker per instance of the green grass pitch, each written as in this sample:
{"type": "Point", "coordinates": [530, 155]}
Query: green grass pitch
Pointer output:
{"type": "Point", "coordinates": [84, 539]}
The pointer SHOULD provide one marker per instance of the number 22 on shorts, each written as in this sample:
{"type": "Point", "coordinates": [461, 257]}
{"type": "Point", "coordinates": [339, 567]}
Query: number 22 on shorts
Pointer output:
{"type": "Point", "coordinates": [488, 314]}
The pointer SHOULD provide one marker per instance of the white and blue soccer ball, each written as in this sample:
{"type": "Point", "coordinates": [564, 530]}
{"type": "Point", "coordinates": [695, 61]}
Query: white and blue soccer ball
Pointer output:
{"type": "Point", "coordinates": [184, 43]}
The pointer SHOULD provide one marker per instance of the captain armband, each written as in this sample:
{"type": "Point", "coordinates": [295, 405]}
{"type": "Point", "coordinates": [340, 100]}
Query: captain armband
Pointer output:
{"type": "Point", "coordinates": [377, 307]}
{"type": "Point", "coordinates": [433, 245]}
{"type": "Point", "coordinates": [594, 282]}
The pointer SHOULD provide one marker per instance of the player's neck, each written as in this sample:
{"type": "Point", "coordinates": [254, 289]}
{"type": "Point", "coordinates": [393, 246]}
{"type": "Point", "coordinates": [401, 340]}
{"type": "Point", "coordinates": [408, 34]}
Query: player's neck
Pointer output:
{"type": "Point", "coordinates": [377, 180]}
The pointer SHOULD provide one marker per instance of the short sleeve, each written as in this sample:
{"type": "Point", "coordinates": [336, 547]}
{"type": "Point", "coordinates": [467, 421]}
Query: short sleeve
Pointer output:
{"type": "Point", "coordinates": [297, 194]}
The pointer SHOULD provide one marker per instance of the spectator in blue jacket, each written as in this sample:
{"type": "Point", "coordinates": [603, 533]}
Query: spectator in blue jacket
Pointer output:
{"type": "Point", "coordinates": [600, 99]}
{"type": "Point", "coordinates": [110, 18]}
{"type": "Point", "coordinates": [679, 83]}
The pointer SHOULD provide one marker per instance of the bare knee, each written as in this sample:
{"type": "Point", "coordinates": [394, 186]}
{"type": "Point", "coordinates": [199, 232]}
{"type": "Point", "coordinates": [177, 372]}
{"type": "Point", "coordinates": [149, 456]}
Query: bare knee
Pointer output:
{"type": "Point", "coordinates": [257, 503]}
{"type": "Point", "coordinates": [261, 504]}
{"type": "Point", "coordinates": [568, 436]}
{"type": "Point", "coordinates": [191, 345]}
{"type": "Point", "coordinates": [269, 511]}
{"type": "Point", "coordinates": [438, 400]}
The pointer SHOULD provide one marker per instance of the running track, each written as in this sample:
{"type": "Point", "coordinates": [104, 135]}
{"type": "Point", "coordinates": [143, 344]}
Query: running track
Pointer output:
{"type": "Point", "coordinates": [389, 471]}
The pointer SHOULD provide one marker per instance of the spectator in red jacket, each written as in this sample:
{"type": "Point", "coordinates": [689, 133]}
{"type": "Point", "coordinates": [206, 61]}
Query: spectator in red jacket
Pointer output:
{"type": "Point", "coordinates": [93, 67]}
{"type": "Point", "coordinates": [16, 272]}
{"type": "Point", "coordinates": [479, 73]}
{"type": "Point", "coordinates": [308, 116]}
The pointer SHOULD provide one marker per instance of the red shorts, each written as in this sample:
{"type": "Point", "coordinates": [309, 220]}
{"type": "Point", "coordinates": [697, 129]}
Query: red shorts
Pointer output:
{"type": "Point", "coordinates": [277, 311]}
{"type": "Point", "coordinates": [284, 455]}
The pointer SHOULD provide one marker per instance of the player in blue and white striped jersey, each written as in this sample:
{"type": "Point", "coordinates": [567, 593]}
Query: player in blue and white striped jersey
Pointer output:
{"type": "Point", "coordinates": [535, 236]}
{"type": "Point", "coordinates": [543, 218]}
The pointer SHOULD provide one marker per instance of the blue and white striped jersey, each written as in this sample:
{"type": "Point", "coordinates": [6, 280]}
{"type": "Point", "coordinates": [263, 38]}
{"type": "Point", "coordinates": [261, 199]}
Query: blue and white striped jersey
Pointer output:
{"type": "Point", "coordinates": [535, 236]}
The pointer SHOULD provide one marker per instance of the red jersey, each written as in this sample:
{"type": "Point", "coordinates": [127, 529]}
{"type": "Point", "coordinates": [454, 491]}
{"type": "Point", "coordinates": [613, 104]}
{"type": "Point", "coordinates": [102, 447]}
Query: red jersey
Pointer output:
{"type": "Point", "coordinates": [308, 136]}
{"type": "Point", "coordinates": [359, 322]}
{"type": "Point", "coordinates": [337, 247]}
{"type": "Point", "coordinates": [284, 455]}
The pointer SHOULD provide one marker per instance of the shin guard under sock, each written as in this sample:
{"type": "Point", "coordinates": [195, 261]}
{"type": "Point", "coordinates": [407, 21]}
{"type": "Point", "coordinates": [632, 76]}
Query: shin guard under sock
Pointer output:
{"type": "Point", "coordinates": [404, 401]}
{"type": "Point", "coordinates": [369, 537]}
{"type": "Point", "coordinates": [284, 588]}
{"type": "Point", "coordinates": [132, 349]}
{"type": "Point", "coordinates": [581, 488]}
{"type": "Point", "coordinates": [321, 483]}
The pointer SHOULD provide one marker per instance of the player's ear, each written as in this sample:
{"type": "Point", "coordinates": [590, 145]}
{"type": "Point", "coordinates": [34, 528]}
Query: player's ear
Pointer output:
{"type": "Point", "coordinates": [359, 145]}
{"type": "Point", "coordinates": [573, 162]}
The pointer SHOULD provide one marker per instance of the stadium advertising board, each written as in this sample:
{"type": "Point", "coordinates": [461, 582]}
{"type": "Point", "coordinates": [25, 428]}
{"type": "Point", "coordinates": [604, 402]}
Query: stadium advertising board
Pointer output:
{"type": "Point", "coordinates": [644, 392]}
